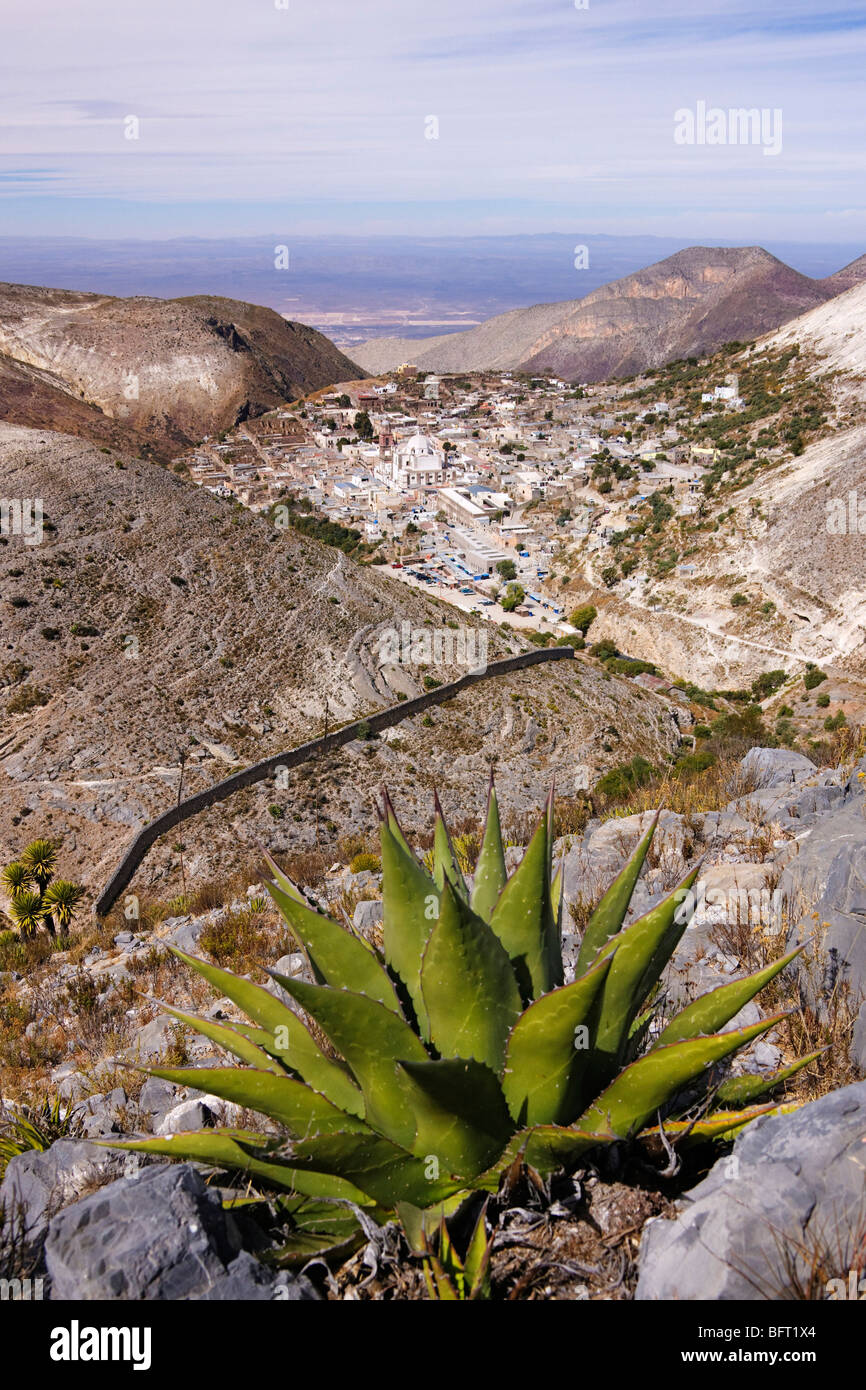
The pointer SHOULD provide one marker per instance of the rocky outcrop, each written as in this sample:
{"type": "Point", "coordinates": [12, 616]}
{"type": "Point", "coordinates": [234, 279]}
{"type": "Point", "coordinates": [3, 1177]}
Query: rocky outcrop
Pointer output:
{"type": "Point", "coordinates": [168, 370]}
{"type": "Point", "coordinates": [791, 1190]}
{"type": "Point", "coordinates": [825, 889]}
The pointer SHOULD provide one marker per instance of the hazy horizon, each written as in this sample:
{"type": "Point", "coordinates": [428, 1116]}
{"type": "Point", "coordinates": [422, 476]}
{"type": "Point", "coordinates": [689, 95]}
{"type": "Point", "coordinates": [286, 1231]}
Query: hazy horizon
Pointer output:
{"type": "Point", "coordinates": [518, 116]}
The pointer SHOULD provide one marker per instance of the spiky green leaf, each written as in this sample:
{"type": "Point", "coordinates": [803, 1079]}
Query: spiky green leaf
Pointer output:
{"type": "Point", "coordinates": [523, 920]}
{"type": "Point", "coordinates": [650, 1082]}
{"type": "Point", "coordinates": [340, 958]}
{"type": "Point", "coordinates": [373, 1040]}
{"type": "Point", "coordinates": [609, 915]}
{"type": "Point", "coordinates": [743, 1090]}
{"type": "Point", "coordinates": [712, 1011]}
{"type": "Point", "coordinates": [490, 874]}
{"type": "Point", "coordinates": [460, 1112]}
{"type": "Point", "coordinates": [470, 993]}
{"type": "Point", "coordinates": [545, 1058]}
{"type": "Point", "coordinates": [291, 1040]}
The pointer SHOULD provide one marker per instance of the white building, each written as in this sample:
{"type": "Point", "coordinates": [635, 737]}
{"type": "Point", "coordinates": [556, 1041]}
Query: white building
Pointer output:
{"type": "Point", "coordinates": [415, 462]}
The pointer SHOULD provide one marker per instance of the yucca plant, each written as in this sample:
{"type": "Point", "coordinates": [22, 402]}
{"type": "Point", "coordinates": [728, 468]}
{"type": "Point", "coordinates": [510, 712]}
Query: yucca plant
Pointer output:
{"type": "Point", "coordinates": [459, 1051]}
{"type": "Point", "coordinates": [34, 900]}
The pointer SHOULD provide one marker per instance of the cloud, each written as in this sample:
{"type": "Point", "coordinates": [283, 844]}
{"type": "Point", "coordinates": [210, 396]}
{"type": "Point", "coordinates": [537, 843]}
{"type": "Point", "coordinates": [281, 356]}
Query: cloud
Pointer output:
{"type": "Point", "coordinates": [538, 102]}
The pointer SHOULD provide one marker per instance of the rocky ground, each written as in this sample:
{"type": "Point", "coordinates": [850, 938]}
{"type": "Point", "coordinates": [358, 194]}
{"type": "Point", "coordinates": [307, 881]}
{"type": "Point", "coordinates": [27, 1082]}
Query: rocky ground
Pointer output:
{"type": "Point", "coordinates": [156, 623]}
{"type": "Point", "coordinates": [779, 1216]}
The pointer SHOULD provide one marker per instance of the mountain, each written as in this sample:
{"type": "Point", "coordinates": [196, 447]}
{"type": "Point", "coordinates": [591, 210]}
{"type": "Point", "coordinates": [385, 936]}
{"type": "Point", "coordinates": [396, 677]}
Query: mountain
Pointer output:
{"type": "Point", "coordinates": [790, 535]}
{"type": "Point", "coordinates": [847, 277]}
{"type": "Point", "coordinates": [689, 304]}
{"type": "Point", "coordinates": [155, 620]}
{"type": "Point", "coordinates": [153, 372]}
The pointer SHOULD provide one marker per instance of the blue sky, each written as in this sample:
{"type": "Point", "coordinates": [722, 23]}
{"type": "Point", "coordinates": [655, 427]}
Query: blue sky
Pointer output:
{"type": "Point", "coordinates": [311, 118]}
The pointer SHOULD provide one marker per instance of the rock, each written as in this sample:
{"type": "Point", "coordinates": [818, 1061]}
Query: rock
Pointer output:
{"type": "Point", "coordinates": [190, 1114]}
{"type": "Point", "coordinates": [42, 1182]}
{"type": "Point", "coordinates": [247, 1280]}
{"type": "Point", "coordinates": [157, 1096]}
{"type": "Point", "coordinates": [160, 1235]}
{"type": "Point", "coordinates": [185, 936]}
{"type": "Point", "coordinates": [366, 915]}
{"type": "Point", "coordinates": [102, 1114]}
{"type": "Point", "coordinates": [772, 767]}
{"type": "Point", "coordinates": [825, 889]}
{"type": "Point", "coordinates": [292, 964]}
{"type": "Point", "coordinates": [154, 1039]}
{"type": "Point", "coordinates": [793, 1183]}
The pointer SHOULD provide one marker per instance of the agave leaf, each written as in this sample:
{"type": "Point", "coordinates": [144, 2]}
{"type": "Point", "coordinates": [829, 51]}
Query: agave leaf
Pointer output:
{"type": "Point", "coordinates": [460, 1112]}
{"type": "Point", "coordinates": [340, 958]}
{"type": "Point", "coordinates": [490, 875]}
{"type": "Point", "coordinates": [556, 896]}
{"type": "Point", "coordinates": [646, 1086]}
{"type": "Point", "coordinates": [282, 880]}
{"type": "Point", "coordinates": [383, 1170]}
{"type": "Point", "coordinates": [372, 1039]}
{"type": "Point", "coordinates": [638, 954]}
{"type": "Point", "coordinates": [712, 1011]}
{"type": "Point", "coordinates": [715, 1126]}
{"type": "Point", "coordinates": [445, 865]}
{"type": "Point", "coordinates": [742, 1090]}
{"type": "Point", "coordinates": [410, 906]}
{"type": "Point", "coordinates": [469, 989]}
{"type": "Point", "coordinates": [609, 915]}
{"type": "Point", "coordinates": [477, 1262]}
{"type": "Point", "coordinates": [324, 1230]}
{"type": "Point", "coordinates": [302, 1110]}
{"type": "Point", "coordinates": [228, 1149]}
{"type": "Point", "coordinates": [524, 922]}
{"type": "Point", "coordinates": [546, 1148]}
{"type": "Point", "coordinates": [543, 1063]}
{"type": "Point", "coordinates": [235, 1041]}
{"type": "Point", "coordinates": [292, 1042]}
{"type": "Point", "coordinates": [419, 1223]}
{"type": "Point", "coordinates": [390, 816]}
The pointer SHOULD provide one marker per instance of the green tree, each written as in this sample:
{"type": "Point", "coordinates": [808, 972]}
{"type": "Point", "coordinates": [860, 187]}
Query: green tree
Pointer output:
{"type": "Point", "coordinates": [363, 425]}
{"type": "Point", "coordinates": [507, 569]}
{"type": "Point", "coordinates": [584, 617]}
{"type": "Point", "coordinates": [514, 596]}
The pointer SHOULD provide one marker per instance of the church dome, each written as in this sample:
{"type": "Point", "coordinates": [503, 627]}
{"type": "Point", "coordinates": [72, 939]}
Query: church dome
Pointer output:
{"type": "Point", "coordinates": [419, 444]}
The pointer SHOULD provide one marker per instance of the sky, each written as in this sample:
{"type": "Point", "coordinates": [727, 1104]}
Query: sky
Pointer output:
{"type": "Point", "coordinates": [435, 117]}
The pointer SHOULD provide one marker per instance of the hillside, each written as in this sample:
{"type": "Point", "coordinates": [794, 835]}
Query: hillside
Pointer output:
{"type": "Point", "coordinates": [158, 373]}
{"type": "Point", "coordinates": [690, 303]}
{"type": "Point", "coordinates": [774, 528]}
{"type": "Point", "coordinates": [156, 619]}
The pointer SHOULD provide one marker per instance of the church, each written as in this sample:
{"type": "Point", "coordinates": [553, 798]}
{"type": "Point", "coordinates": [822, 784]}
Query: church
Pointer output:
{"type": "Point", "coordinates": [415, 462]}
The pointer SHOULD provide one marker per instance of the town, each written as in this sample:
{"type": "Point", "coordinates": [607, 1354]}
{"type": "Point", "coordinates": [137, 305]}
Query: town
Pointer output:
{"type": "Point", "coordinates": [489, 488]}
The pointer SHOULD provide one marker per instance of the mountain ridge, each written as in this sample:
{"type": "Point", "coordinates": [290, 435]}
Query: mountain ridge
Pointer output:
{"type": "Point", "coordinates": [158, 374]}
{"type": "Point", "coordinates": [690, 303]}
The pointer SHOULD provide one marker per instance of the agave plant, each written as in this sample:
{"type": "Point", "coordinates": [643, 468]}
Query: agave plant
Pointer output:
{"type": "Point", "coordinates": [458, 1050]}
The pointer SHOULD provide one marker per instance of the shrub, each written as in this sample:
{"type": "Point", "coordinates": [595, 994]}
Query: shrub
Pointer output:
{"type": "Point", "coordinates": [813, 678]}
{"type": "Point", "coordinates": [823, 701]}
{"type": "Point", "coordinates": [364, 862]}
{"type": "Point", "coordinates": [584, 617]}
{"type": "Point", "coordinates": [27, 698]}
{"type": "Point", "coordinates": [739, 601]}
{"type": "Point", "coordinates": [620, 781]}
{"type": "Point", "coordinates": [701, 731]}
